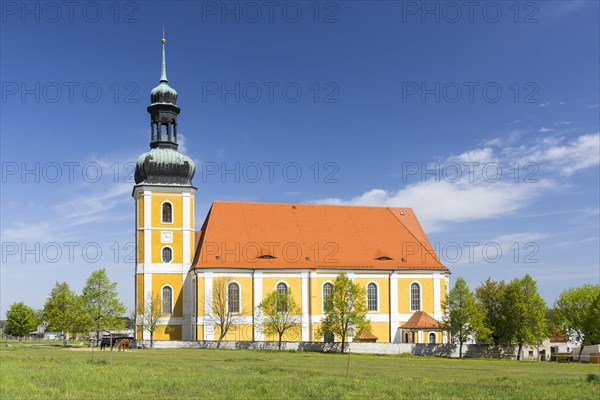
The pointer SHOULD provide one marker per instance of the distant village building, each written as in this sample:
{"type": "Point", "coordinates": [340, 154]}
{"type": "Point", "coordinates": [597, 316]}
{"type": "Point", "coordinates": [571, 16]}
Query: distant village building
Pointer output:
{"type": "Point", "coordinates": [297, 249]}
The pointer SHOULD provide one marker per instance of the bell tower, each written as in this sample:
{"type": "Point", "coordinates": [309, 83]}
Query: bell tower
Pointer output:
{"type": "Point", "coordinates": [164, 207]}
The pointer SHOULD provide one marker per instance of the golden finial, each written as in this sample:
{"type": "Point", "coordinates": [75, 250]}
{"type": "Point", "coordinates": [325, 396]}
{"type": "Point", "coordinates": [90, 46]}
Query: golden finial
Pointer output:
{"type": "Point", "coordinates": [164, 41]}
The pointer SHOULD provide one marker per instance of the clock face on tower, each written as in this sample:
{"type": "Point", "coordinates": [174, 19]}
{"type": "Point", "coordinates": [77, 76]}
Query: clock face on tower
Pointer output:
{"type": "Point", "coordinates": [166, 237]}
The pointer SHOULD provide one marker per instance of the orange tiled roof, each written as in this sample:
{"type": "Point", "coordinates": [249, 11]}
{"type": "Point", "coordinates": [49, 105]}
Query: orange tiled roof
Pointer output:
{"type": "Point", "coordinates": [269, 235]}
{"type": "Point", "coordinates": [421, 320]}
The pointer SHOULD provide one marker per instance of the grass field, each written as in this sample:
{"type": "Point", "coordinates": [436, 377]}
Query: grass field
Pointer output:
{"type": "Point", "coordinates": [28, 372]}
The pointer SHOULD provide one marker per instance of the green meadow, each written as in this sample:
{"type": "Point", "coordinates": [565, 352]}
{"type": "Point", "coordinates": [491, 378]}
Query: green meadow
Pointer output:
{"type": "Point", "coordinates": [29, 372]}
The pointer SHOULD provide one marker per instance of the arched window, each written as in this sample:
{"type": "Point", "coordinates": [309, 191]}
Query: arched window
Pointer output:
{"type": "Point", "coordinates": [328, 337]}
{"type": "Point", "coordinates": [372, 297]}
{"type": "Point", "coordinates": [282, 289]}
{"type": "Point", "coordinates": [415, 297]}
{"type": "Point", "coordinates": [167, 300]}
{"type": "Point", "coordinates": [432, 338]}
{"type": "Point", "coordinates": [167, 254]}
{"type": "Point", "coordinates": [233, 298]}
{"type": "Point", "coordinates": [406, 337]}
{"type": "Point", "coordinates": [327, 296]}
{"type": "Point", "coordinates": [167, 213]}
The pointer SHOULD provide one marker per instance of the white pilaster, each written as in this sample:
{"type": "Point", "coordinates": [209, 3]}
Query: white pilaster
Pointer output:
{"type": "Point", "coordinates": [147, 225]}
{"type": "Point", "coordinates": [209, 328]}
{"type": "Point", "coordinates": [394, 316]}
{"type": "Point", "coordinates": [186, 224]}
{"type": "Point", "coordinates": [186, 329]}
{"type": "Point", "coordinates": [258, 289]}
{"type": "Point", "coordinates": [147, 297]}
{"type": "Point", "coordinates": [305, 307]}
{"type": "Point", "coordinates": [437, 301]}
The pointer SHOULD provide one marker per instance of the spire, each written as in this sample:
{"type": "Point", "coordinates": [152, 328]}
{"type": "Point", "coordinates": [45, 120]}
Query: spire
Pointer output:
{"type": "Point", "coordinates": [163, 73]}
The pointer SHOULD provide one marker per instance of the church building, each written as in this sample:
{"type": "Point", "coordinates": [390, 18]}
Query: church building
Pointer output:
{"type": "Point", "coordinates": [297, 249]}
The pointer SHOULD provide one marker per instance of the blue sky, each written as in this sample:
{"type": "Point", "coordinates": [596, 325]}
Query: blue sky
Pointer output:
{"type": "Point", "coordinates": [372, 95]}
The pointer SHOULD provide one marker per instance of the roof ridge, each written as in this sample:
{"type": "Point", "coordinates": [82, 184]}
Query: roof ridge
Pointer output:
{"type": "Point", "coordinates": [307, 204]}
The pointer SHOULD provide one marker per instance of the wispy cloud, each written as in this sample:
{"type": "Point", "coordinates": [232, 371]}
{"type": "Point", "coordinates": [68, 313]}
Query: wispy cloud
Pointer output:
{"type": "Point", "coordinates": [559, 123]}
{"type": "Point", "coordinates": [567, 158]}
{"type": "Point", "coordinates": [442, 201]}
{"type": "Point", "coordinates": [438, 203]}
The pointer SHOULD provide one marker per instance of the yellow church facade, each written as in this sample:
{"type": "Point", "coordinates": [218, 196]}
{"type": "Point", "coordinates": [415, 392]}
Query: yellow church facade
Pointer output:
{"type": "Point", "coordinates": [257, 248]}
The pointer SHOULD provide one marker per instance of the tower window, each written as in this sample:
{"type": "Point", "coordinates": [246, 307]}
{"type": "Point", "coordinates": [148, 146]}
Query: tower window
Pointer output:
{"type": "Point", "coordinates": [372, 297]}
{"type": "Point", "coordinates": [167, 213]}
{"type": "Point", "coordinates": [167, 254]}
{"type": "Point", "coordinates": [233, 298]}
{"type": "Point", "coordinates": [415, 297]}
{"type": "Point", "coordinates": [282, 289]}
{"type": "Point", "coordinates": [167, 300]}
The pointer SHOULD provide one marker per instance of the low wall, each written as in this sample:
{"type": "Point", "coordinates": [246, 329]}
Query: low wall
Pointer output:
{"type": "Point", "coordinates": [588, 354]}
{"type": "Point", "coordinates": [438, 350]}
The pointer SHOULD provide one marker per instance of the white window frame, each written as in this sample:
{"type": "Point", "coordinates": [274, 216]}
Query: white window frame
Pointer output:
{"type": "Point", "coordinates": [172, 213]}
{"type": "Point", "coordinates": [239, 311]}
{"type": "Point", "coordinates": [420, 296]}
{"type": "Point", "coordinates": [172, 255]}
{"type": "Point", "coordinates": [322, 297]}
{"type": "Point", "coordinates": [162, 299]}
{"type": "Point", "coordinates": [287, 290]}
{"type": "Point", "coordinates": [286, 285]}
{"type": "Point", "coordinates": [376, 295]}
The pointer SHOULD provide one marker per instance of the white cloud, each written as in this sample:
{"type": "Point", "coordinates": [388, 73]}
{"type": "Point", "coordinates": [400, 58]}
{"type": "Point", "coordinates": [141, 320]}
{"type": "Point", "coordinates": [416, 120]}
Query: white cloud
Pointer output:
{"type": "Point", "coordinates": [544, 129]}
{"type": "Point", "coordinates": [25, 232]}
{"type": "Point", "coordinates": [437, 203]}
{"type": "Point", "coordinates": [89, 208]}
{"type": "Point", "coordinates": [182, 141]}
{"type": "Point", "coordinates": [479, 155]}
{"type": "Point", "coordinates": [569, 158]}
{"type": "Point", "coordinates": [477, 195]}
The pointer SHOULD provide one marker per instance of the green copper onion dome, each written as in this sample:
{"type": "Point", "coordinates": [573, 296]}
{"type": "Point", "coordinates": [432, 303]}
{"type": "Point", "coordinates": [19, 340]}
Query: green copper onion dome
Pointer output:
{"type": "Point", "coordinates": [163, 164]}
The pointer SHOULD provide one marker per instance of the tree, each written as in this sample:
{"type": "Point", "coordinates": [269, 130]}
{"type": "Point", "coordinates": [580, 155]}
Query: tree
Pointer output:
{"type": "Point", "coordinates": [101, 304]}
{"type": "Point", "coordinates": [62, 310]}
{"type": "Point", "coordinates": [20, 319]}
{"type": "Point", "coordinates": [526, 313]}
{"type": "Point", "coordinates": [463, 316]}
{"type": "Point", "coordinates": [223, 316]}
{"type": "Point", "coordinates": [491, 299]}
{"type": "Point", "coordinates": [149, 315]}
{"type": "Point", "coordinates": [574, 310]}
{"type": "Point", "coordinates": [591, 327]}
{"type": "Point", "coordinates": [347, 311]}
{"type": "Point", "coordinates": [280, 314]}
